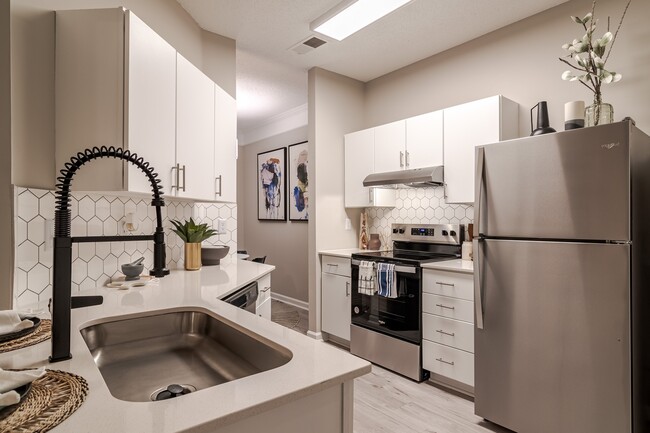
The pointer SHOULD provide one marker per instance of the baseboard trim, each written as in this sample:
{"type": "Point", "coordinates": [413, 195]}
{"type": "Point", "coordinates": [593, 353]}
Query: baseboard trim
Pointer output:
{"type": "Point", "coordinates": [315, 335]}
{"type": "Point", "coordinates": [291, 301]}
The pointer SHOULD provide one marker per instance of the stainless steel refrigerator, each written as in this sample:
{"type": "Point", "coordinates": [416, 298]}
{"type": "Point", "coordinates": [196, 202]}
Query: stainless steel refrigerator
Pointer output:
{"type": "Point", "coordinates": [562, 281]}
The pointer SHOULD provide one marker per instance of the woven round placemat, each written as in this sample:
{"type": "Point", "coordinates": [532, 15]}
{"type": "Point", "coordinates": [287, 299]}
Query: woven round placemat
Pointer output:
{"type": "Point", "coordinates": [52, 399]}
{"type": "Point", "coordinates": [44, 332]}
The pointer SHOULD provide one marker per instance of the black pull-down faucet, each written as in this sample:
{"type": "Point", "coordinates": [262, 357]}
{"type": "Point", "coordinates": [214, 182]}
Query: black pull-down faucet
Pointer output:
{"type": "Point", "coordinates": [62, 300]}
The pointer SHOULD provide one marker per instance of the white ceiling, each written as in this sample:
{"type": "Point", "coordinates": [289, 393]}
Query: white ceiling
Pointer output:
{"type": "Point", "coordinates": [272, 79]}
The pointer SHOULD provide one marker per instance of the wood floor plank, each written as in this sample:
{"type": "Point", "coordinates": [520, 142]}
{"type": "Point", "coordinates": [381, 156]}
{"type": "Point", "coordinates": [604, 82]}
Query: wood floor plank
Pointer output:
{"type": "Point", "coordinates": [385, 402]}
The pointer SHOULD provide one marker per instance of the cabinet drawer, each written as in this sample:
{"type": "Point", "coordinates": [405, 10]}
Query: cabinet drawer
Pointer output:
{"type": "Point", "coordinates": [446, 361]}
{"type": "Point", "coordinates": [264, 293]}
{"type": "Point", "coordinates": [452, 308]}
{"type": "Point", "coordinates": [452, 284]}
{"type": "Point", "coordinates": [263, 289]}
{"type": "Point", "coordinates": [449, 332]}
{"type": "Point", "coordinates": [336, 265]}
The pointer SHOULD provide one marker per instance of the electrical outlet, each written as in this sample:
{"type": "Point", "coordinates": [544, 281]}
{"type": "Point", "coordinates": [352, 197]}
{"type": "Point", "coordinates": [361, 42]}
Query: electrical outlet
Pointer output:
{"type": "Point", "coordinates": [221, 226]}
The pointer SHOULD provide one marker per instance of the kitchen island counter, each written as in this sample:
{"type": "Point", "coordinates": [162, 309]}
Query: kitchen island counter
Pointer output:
{"type": "Point", "coordinates": [316, 371]}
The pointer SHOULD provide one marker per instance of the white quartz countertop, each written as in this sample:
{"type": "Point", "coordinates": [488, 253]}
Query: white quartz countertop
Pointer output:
{"type": "Point", "coordinates": [458, 265]}
{"type": "Point", "coordinates": [345, 252]}
{"type": "Point", "coordinates": [315, 366]}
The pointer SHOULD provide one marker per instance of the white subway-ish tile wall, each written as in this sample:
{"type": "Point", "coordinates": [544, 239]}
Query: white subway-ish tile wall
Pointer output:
{"type": "Point", "coordinates": [98, 215]}
{"type": "Point", "coordinates": [417, 206]}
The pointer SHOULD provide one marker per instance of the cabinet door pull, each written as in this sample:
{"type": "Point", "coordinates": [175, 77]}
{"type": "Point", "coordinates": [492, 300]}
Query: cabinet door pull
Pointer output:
{"type": "Point", "coordinates": [370, 196]}
{"type": "Point", "coordinates": [445, 362]}
{"type": "Point", "coordinates": [445, 284]}
{"type": "Point", "coordinates": [218, 178]}
{"type": "Point", "coordinates": [347, 288]}
{"type": "Point", "coordinates": [180, 168]}
{"type": "Point", "coordinates": [451, 334]}
{"type": "Point", "coordinates": [445, 306]}
{"type": "Point", "coordinates": [408, 159]}
{"type": "Point", "coordinates": [266, 289]}
{"type": "Point", "coordinates": [401, 159]}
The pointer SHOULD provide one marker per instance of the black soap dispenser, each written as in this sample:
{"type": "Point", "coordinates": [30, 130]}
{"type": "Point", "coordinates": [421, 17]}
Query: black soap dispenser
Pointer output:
{"type": "Point", "coordinates": [542, 120]}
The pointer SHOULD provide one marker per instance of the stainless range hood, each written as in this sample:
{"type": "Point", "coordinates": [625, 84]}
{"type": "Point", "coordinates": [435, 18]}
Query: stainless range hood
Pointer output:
{"type": "Point", "coordinates": [428, 176]}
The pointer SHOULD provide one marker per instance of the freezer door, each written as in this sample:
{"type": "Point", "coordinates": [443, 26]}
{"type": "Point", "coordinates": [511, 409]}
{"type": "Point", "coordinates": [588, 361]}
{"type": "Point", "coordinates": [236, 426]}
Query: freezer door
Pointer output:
{"type": "Point", "coordinates": [570, 185]}
{"type": "Point", "coordinates": [554, 351]}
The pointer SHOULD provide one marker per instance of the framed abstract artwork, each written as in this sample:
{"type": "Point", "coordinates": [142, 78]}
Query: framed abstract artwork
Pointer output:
{"type": "Point", "coordinates": [298, 195]}
{"type": "Point", "coordinates": [271, 187]}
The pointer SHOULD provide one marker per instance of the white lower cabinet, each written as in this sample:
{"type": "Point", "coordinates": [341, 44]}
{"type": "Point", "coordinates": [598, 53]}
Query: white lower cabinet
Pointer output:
{"type": "Point", "coordinates": [450, 332]}
{"type": "Point", "coordinates": [336, 301]}
{"type": "Point", "coordinates": [448, 327]}
{"type": "Point", "coordinates": [448, 362]}
{"type": "Point", "coordinates": [264, 309]}
{"type": "Point", "coordinates": [263, 304]}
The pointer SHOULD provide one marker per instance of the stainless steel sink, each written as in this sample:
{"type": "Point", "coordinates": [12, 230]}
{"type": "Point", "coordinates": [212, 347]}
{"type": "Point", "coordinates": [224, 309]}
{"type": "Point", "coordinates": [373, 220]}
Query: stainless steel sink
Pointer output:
{"type": "Point", "coordinates": [139, 357]}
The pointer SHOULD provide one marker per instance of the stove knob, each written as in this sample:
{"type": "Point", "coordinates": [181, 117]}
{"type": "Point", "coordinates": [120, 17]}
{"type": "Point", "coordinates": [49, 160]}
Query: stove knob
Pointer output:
{"type": "Point", "coordinates": [452, 233]}
{"type": "Point", "coordinates": [394, 230]}
{"type": "Point", "coordinates": [401, 231]}
{"type": "Point", "coordinates": [444, 233]}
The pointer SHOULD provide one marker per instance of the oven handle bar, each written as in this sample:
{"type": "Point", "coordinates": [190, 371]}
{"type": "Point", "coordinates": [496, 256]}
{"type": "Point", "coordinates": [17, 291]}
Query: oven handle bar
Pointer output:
{"type": "Point", "coordinates": [398, 268]}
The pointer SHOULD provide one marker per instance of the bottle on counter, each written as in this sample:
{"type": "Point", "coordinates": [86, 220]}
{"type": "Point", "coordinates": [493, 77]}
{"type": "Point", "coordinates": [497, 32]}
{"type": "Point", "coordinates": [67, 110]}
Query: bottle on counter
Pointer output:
{"type": "Point", "coordinates": [466, 252]}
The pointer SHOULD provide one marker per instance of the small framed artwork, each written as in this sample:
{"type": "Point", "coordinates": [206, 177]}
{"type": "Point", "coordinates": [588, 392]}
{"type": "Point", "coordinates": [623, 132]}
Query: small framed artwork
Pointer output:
{"type": "Point", "coordinates": [271, 188]}
{"type": "Point", "coordinates": [298, 196]}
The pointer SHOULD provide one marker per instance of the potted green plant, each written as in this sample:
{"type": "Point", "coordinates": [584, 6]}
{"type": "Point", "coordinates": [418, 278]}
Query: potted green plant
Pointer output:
{"type": "Point", "coordinates": [192, 234]}
{"type": "Point", "coordinates": [587, 56]}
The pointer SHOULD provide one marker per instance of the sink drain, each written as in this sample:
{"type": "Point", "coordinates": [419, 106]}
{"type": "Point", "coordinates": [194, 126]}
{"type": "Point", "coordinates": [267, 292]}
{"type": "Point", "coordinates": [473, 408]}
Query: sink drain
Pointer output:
{"type": "Point", "coordinates": [171, 391]}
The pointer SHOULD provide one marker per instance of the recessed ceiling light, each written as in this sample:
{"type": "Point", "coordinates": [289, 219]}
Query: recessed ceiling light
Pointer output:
{"type": "Point", "coordinates": [352, 15]}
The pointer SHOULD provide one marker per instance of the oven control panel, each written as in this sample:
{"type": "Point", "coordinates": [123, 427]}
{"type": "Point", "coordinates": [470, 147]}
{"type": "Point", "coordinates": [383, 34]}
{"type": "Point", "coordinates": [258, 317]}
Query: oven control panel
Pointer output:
{"type": "Point", "coordinates": [430, 233]}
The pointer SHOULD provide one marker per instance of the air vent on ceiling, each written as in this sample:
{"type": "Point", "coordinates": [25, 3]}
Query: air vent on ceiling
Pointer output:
{"type": "Point", "coordinates": [309, 44]}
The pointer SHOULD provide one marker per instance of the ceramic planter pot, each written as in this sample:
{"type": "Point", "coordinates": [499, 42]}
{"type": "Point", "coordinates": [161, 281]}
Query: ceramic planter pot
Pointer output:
{"type": "Point", "coordinates": [193, 256]}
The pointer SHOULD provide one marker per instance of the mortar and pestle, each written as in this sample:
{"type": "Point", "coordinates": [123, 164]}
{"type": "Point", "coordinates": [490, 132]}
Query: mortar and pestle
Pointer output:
{"type": "Point", "coordinates": [133, 270]}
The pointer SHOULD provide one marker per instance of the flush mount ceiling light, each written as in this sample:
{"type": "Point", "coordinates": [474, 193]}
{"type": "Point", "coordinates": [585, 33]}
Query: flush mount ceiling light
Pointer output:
{"type": "Point", "coordinates": [351, 16]}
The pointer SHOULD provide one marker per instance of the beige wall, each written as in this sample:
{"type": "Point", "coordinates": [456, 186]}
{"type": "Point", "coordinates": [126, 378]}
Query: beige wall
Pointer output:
{"type": "Point", "coordinates": [283, 242]}
{"type": "Point", "coordinates": [521, 62]}
{"type": "Point", "coordinates": [32, 67]}
{"type": "Point", "coordinates": [6, 200]}
{"type": "Point", "coordinates": [336, 107]}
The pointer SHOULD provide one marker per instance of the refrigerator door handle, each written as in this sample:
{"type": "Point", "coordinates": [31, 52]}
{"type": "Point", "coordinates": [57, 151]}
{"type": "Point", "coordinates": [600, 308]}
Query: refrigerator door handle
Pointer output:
{"type": "Point", "coordinates": [478, 290]}
{"type": "Point", "coordinates": [478, 190]}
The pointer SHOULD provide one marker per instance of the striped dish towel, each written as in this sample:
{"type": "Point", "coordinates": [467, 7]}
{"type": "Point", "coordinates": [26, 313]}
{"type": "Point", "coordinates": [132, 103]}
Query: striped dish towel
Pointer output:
{"type": "Point", "coordinates": [367, 276]}
{"type": "Point", "coordinates": [386, 280]}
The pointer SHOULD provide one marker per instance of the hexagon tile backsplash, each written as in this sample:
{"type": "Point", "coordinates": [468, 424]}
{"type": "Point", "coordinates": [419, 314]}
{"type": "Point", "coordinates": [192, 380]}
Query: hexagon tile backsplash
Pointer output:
{"type": "Point", "coordinates": [417, 206]}
{"type": "Point", "coordinates": [98, 215]}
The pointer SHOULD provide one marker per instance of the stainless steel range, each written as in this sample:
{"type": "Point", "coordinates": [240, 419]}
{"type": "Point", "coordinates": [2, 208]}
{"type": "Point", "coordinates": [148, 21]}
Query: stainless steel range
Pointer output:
{"type": "Point", "coordinates": [388, 330]}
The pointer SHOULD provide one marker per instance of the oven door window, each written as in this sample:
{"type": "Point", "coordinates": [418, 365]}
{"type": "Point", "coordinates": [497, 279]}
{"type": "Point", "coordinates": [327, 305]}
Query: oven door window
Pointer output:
{"type": "Point", "coordinates": [399, 317]}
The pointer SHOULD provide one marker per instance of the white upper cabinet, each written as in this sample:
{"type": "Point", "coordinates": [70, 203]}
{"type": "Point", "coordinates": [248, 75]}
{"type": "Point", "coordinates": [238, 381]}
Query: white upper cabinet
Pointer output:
{"type": "Point", "coordinates": [412, 143]}
{"type": "Point", "coordinates": [359, 163]}
{"type": "Point", "coordinates": [89, 93]}
{"type": "Point", "coordinates": [120, 84]}
{"type": "Point", "coordinates": [424, 138]}
{"type": "Point", "coordinates": [469, 125]}
{"type": "Point", "coordinates": [225, 140]}
{"type": "Point", "coordinates": [194, 132]}
{"type": "Point", "coordinates": [390, 145]}
{"type": "Point", "coordinates": [151, 110]}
